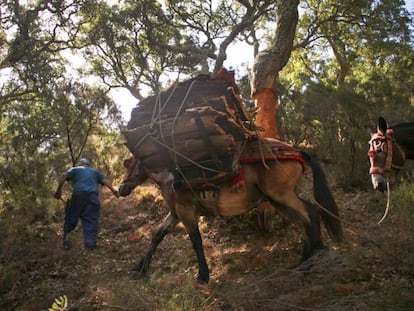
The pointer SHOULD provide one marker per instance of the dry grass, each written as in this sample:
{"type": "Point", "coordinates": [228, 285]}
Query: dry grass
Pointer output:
{"type": "Point", "coordinates": [250, 270]}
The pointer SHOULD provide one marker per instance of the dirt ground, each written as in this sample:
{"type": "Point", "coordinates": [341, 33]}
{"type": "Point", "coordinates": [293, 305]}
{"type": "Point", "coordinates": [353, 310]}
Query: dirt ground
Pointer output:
{"type": "Point", "coordinates": [373, 269]}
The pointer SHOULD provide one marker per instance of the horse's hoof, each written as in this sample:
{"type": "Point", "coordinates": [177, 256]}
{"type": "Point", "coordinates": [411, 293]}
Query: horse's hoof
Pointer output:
{"type": "Point", "coordinates": [203, 278]}
{"type": "Point", "coordinates": [316, 250]}
{"type": "Point", "coordinates": [140, 268]}
{"type": "Point", "coordinates": [201, 285]}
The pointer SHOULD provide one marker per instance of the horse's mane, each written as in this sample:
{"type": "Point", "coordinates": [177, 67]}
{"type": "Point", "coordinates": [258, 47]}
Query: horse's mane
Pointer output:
{"type": "Point", "coordinates": [401, 126]}
{"type": "Point", "coordinates": [404, 135]}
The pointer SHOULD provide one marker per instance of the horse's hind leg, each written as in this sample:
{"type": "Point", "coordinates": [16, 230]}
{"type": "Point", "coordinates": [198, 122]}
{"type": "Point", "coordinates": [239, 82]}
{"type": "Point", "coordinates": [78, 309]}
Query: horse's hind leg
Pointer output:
{"type": "Point", "coordinates": [313, 241]}
{"type": "Point", "coordinates": [306, 214]}
{"type": "Point", "coordinates": [143, 265]}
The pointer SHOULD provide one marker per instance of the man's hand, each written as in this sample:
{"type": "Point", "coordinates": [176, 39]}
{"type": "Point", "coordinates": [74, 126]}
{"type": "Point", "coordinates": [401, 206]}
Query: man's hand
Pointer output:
{"type": "Point", "coordinates": [116, 193]}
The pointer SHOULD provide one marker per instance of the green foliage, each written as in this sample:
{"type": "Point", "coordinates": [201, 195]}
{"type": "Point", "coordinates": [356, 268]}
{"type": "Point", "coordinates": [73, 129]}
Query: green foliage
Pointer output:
{"type": "Point", "coordinates": [341, 76]}
{"type": "Point", "coordinates": [328, 120]}
{"type": "Point", "coordinates": [402, 200]}
{"type": "Point", "coordinates": [38, 141]}
{"type": "Point", "coordinates": [351, 62]}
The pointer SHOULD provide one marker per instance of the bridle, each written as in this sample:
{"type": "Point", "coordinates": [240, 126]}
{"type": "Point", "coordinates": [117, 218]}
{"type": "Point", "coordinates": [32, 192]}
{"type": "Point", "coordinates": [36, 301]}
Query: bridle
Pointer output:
{"type": "Point", "coordinates": [131, 165]}
{"type": "Point", "coordinates": [133, 171]}
{"type": "Point", "coordinates": [383, 143]}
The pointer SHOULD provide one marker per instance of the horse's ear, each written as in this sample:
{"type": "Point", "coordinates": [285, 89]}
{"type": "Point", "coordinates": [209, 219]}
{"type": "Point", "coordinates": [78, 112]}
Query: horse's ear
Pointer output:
{"type": "Point", "coordinates": [127, 163]}
{"type": "Point", "coordinates": [382, 125]}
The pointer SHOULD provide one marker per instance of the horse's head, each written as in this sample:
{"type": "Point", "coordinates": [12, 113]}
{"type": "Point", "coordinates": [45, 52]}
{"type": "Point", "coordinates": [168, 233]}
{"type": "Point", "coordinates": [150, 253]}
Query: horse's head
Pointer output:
{"type": "Point", "coordinates": [134, 176]}
{"type": "Point", "coordinates": [383, 155]}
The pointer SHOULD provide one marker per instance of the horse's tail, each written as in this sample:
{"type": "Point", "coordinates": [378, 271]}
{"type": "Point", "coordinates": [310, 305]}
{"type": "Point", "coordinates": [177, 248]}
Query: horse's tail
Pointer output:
{"type": "Point", "coordinates": [323, 195]}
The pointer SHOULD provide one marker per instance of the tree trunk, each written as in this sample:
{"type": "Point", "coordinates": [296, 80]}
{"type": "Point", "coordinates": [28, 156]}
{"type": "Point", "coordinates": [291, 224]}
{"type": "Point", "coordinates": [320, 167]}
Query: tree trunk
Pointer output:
{"type": "Point", "coordinates": [265, 70]}
{"type": "Point", "coordinates": [266, 101]}
{"type": "Point", "coordinates": [268, 64]}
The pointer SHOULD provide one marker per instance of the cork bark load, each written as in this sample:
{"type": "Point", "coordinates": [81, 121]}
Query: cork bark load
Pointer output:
{"type": "Point", "coordinates": [194, 127]}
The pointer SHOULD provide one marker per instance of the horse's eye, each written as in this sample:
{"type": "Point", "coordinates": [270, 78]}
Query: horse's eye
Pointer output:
{"type": "Point", "coordinates": [377, 143]}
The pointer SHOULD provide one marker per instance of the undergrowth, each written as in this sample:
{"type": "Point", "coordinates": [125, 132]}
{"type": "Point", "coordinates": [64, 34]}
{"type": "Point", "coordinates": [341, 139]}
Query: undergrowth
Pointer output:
{"type": "Point", "coordinates": [402, 200]}
{"type": "Point", "coordinates": [158, 293]}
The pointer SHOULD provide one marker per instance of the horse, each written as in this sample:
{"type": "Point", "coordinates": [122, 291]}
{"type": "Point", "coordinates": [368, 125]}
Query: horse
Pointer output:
{"type": "Point", "coordinates": [389, 148]}
{"type": "Point", "coordinates": [266, 179]}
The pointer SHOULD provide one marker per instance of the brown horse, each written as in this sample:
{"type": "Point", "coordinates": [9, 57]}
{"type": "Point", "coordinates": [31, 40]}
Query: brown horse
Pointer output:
{"type": "Point", "coordinates": [274, 182]}
{"type": "Point", "coordinates": [389, 147]}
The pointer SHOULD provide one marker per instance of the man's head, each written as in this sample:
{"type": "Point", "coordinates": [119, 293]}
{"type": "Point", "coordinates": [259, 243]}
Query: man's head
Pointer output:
{"type": "Point", "coordinates": [84, 162]}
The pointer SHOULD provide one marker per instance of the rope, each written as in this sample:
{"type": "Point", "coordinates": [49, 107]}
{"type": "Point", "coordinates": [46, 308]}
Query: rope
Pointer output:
{"type": "Point", "coordinates": [299, 186]}
{"type": "Point", "coordinates": [156, 116]}
{"type": "Point", "coordinates": [176, 117]}
{"type": "Point", "coordinates": [158, 103]}
{"type": "Point", "coordinates": [387, 208]}
{"type": "Point", "coordinates": [265, 145]}
{"type": "Point", "coordinates": [262, 154]}
{"type": "Point", "coordinates": [185, 157]}
{"type": "Point", "coordinates": [141, 141]}
{"type": "Point", "coordinates": [388, 204]}
{"type": "Point", "coordinates": [173, 148]}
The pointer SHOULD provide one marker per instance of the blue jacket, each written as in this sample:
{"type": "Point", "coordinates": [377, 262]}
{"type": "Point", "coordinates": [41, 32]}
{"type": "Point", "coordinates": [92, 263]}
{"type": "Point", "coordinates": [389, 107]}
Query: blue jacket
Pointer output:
{"type": "Point", "coordinates": [85, 179]}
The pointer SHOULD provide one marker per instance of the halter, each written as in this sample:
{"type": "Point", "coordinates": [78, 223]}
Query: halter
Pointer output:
{"type": "Point", "coordinates": [378, 143]}
{"type": "Point", "coordinates": [132, 168]}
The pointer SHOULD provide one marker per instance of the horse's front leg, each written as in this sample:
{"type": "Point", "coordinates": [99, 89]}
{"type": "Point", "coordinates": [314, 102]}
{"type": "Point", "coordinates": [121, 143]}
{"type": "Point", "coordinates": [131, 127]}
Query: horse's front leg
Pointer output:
{"type": "Point", "coordinates": [187, 213]}
{"type": "Point", "coordinates": [170, 221]}
{"type": "Point", "coordinates": [203, 275]}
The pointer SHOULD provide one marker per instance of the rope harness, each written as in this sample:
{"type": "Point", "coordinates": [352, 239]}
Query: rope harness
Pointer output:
{"type": "Point", "coordinates": [387, 208]}
{"type": "Point", "coordinates": [383, 143]}
{"type": "Point", "coordinates": [378, 143]}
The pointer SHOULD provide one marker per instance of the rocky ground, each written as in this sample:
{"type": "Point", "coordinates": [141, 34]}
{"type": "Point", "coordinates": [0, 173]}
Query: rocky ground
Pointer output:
{"type": "Point", "coordinates": [373, 269]}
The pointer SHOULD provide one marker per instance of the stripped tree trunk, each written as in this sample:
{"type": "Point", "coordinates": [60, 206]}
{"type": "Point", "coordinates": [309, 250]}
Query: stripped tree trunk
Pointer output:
{"type": "Point", "coordinates": [265, 100]}
{"type": "Point", "coordinates": [269, 63]}
{"type": "Point", "coordinates": [265, 71]}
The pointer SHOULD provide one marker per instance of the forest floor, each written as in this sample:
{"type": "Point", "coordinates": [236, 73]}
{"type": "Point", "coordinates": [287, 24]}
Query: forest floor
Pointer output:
{"type": "Point", "coordinates": [373, 269]}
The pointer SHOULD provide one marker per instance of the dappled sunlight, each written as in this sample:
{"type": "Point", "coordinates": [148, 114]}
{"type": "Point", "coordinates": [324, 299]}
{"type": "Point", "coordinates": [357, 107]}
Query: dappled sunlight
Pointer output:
{"type": "Point", "coordinates": [248, 267]}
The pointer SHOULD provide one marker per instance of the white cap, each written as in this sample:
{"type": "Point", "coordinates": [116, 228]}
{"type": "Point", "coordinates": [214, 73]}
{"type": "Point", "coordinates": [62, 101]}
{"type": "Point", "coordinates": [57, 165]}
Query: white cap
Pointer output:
{"type": "Point", "coordinates": [84, 161]}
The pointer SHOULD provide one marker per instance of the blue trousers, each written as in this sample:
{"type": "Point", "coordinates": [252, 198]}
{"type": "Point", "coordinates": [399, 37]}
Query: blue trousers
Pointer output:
{"type": "Point", "coordinates": [86, 207]}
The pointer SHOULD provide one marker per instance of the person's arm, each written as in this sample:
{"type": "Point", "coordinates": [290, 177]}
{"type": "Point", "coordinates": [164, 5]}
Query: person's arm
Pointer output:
{"type": "Point", "coordinates": [108, 183]}
{"type": "Point", "coordinates": [61, 182]}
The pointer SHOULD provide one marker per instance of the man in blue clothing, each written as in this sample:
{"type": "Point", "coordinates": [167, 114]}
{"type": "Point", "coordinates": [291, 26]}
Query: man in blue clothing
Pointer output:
{"type": "Point", "coordinates": [84, 203]}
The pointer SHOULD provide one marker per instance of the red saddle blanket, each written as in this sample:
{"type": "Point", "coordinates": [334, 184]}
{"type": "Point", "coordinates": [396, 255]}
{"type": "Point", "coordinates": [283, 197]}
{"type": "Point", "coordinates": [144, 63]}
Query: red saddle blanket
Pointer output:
{"type": "Point", "coordinates": [269, 149]}
{"type": "Point", "coordinates": [265, 150]}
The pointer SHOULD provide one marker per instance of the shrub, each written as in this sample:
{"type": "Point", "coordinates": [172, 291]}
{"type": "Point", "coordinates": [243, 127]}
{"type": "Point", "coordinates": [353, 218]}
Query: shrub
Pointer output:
{"type": "Point", "coordinates": [402, 199]}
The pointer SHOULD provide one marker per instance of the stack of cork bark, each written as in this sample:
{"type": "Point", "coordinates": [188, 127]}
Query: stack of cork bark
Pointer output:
{"type": "Point", "coordinates": [194, 128]}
